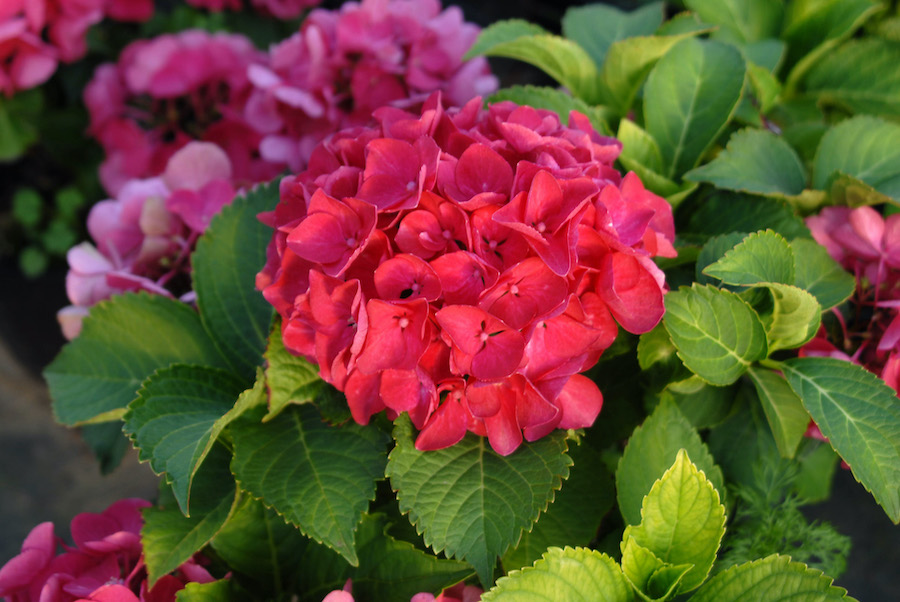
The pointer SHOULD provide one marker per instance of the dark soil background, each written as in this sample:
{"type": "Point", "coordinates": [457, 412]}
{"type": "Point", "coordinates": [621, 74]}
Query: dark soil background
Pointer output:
{"type": "Point", "coordinates": [48, 473]}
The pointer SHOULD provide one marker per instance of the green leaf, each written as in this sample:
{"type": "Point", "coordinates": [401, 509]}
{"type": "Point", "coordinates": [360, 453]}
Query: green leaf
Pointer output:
{"type": "Point", "coordinates": [223, 590]}
{"type": "Point", "coordinates": [794, 318]}
{"type": "Point", "coordinates": [574, 516]}
{"type": "Point", "coordinates": [702, 404]}
{"type": "Point", "coordinates": [864, 147]}
{"type": "Point", "coordinates": [724, 212]}
{"type": "Point", "coordinates": [784, 411]}
{"type": "Point", "coordinates": [171, 421]}
{"type": "Point", "coordinates": [108, 443]}
{"type": "Point", "coordinates": [847, 191]}
{"type": "Point", "coordinates": [492, 500]}
{"type": "Point", "coordinates": [818, 463]}
{"type": "Point", "coordinates": [714, 249]}
{"type": "Point", "coordinates": [318, 477]}
{"type": "Point", "coordinates": [761, 257]}
{"type": "Point", "coordinates": [558, 101]}
{"type": "Point", "coordinates": [27, 207]}
{"type": "Point", "coordinates": [639, 146]}
{"type": "Point", "coordinates": [717, 334]}
{"type": "Point", "coordinates": [596, 26]}
{"type": "Point", "coordinates": [740, 21]}
{"type": "Point", "coordinates": [689, 98]}
{"type": "Point", "coordinates": [821, 275]}
{"type": "Point", "coordinates": [754, 161]}
{"type": "Point", "coordinates": [290, 378]}
{"type": "Point", "coordinates": [225, 263]}
{"type": "Point", "coordinates": [562, 59]}
{"type": "Point", "coordinates": [122, 342]}
{"type": "Point", "coordinates": [652, 578]}
{"type": "Point", "coordinates": [651, 450]}
{"type": "Point", "coordinates": [170, 538]}
{"type": "Point", "coordinates": [860, 417]}
{"type": "Point", "coordinates": [572, 574]}
{"type": "Point", "coordinates": [683, 23]}
{"type": "Point", "coordinates": [19, 117]}
{"type": "Point", "coordinates": [682, 521]}
{"type": "Point", "coordinates": [773, 579]}
{"type": "Point", "coordinates": [765, 86]}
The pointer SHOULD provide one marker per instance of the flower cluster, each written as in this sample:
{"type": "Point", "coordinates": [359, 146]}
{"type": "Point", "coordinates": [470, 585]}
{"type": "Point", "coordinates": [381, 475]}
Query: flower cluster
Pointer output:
{"type": "Point", "coordinates": [145, 235]}
{"type": "Point", "coordinates": [170, 90]}
{"type": "Point", "coordinates": [281, 9]}
{"type": "Point", "coordinates": [457, 593]}
{"type": "Point", "coordinates": [344, 64]}
{"type": "Point", "coordinates": [464, 266]}
{"type": "Point", "coordinates": [35, 35]}
{"type": "Point", "coordinates": [105, 565]}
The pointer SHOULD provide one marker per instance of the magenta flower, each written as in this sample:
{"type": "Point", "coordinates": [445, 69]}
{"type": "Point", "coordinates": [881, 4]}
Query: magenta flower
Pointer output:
{"type": "Point", "coordinates": [282, 9]}
{"type": "Point", "coordinates": [441, 264]}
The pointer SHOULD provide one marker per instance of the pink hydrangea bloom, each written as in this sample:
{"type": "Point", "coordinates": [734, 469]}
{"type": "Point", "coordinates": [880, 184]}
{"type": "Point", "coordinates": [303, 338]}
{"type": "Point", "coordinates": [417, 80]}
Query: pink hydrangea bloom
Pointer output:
{"type": "Point", "coordinates": [465, 266]}
{"type": "Point", "coordinates": [144, 237]}
{"type": "Point", "coordinates": [170, 90]}
{"type": "Point", "coordinates": [282, 9]}
{"type": "Point", "coordinates": [458, 593]}
{"type": "Point", "coordinates": [344, 64]}
{"type": "Point", "coordinates": [105, 564]}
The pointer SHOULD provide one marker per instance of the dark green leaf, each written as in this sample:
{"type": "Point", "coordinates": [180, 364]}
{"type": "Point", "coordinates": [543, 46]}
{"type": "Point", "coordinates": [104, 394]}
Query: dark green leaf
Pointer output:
{"type": "Point", "coordinates": [19, 118]}
{"type": "Point", "coordinates": [784, 411]}
{"type": "Point", "coordinates": [290, 378]}
{"type": "Point", "coordinates": [596, 26]}
{"type": "Point", "coordinates": [740, 21]}
{"type": "Point", "coordinates": [502, 32]}
{"type": "Point", "coordinates": [702, 404]}
{"type": "Point", "coordinates": [726, 212]}
{"type": "Point", "coordinates": [821, 275]}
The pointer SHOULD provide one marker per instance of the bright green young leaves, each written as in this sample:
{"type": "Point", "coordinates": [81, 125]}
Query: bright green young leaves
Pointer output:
{"type": "Point", "coordinates": [761, 257]}
{"type": "Point", "coordinates": [820, 275]}
{"type": "Point", "coordinates": [740, 21]}
{"type": "Point", "coordinates": [492, 499]}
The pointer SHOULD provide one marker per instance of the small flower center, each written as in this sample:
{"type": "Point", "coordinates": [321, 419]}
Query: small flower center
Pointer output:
{"type": "Point", "coordinates": [484, 337]}
{"type": "Point", "coordinates": [514, 290]}
{"type": "Point", "coordinates": [351, 242]}
{"type": "Point", "coordinates": [404, 322]}
{"type": "Point", "coordinates": [446, 234]}
{"type": "Point", "coordinates": [541, 227]}
{"type": "Point", "coordinates": [411, 185]}
{"type": "Point", "coordinates": [492, 245]}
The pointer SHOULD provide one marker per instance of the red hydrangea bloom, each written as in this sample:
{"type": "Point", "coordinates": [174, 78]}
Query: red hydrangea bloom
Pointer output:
{"type": "Point", "coordinates": [344, 64]}
{"type": "Point", "coordinates": [170, 90]}
{"type": "Point", "coordinates": [105, 565]}
{"type": "Point", "coordinates": [465, 266]}
{"type": "Point", "coordinates": [457, 593]}
{"type": "Point", "coordinates": [281, 9]}
{"type": "Point", "coordinates": [145, 235]}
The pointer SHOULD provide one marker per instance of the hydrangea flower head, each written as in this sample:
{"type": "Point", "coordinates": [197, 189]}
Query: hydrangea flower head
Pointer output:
{"type": "Point", "coordinates": [281, 9]}
{"type": "Point", "coordinates": [465, 266]}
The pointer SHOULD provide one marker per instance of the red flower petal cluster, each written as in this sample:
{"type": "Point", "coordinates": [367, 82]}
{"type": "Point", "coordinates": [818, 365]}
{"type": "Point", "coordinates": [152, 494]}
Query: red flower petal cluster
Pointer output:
{"type": "Point", "coordinates": [465, 266]}
{"type": "Point", "coordinates": [344, 64]}
{"type": "Point", "coordinates": [106, 563]}
{"type": "Point", "coordinates": [282, 9]}
{"type": "Point", "coordinates": [170, 90]}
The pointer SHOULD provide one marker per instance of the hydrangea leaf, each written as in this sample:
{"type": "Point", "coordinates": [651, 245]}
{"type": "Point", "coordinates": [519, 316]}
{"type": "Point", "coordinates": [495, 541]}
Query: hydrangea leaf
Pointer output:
{"type": "Point", "coordinates": [713, 250]}
{"type": "Point", "coordinates": [493, 497]}
{"type": "Point", "coordinates": [223, 590]}
{"type": "Point", "coordinates": [317, 477]}
{"type": "Point", "coordinates": [682, 521]}
{"type": "Point", "coordinates": [562, 59]}
{"type": "Point", "coordinates": [724, 212]}
{"type": "Point", "coordinates": [652, 578]}
{"type": "Point", "coordinates": [169, 537]}
{"type": "Point", "coordinates": [553, 99]}
{"type": "Point", "coordinates": [813, 28]}
{"type": "Point", "coordinates": [766, 90]}
{"type": "Point", "coordinates": [573, 574]}
{"type": "Point", "coordinates": [740, 21]}
{"type": "Point", "coordinates": [575, 514]}
{"type": "Point", "coordinates": [852, 192]}
{"type": "Point", "coordinates": [860, 416]}
{"type": "Point", "coordinates": [818, 464]}
{"type": "Point", "coordinates": [774, 579]}
{"type": "Point", "coordinates": [596, 27]}
{"type": "Point", "coordinates": [784, 411]}
{"type": "Point", "coordinates": [225, 263]}
{"type": "Point", "coordinates": [290, 378]}
{"type": "Point", "coordinates": [19, 118]}
{"type": "Point", "coordinates": [651, 451]}
{"type": "Point", "coordinates": [684, 125]}
{"type": "Point", "coordinates": [755, 161]}
{"type": "Point", "coordinates": [639, 147]}
{"type": "Point", "coordinates": [820, 275]}
{"type": "Point", "coordinates": [123, 341]}
{"type": "Point", "coordinates": [864, 147]}
{"type": "Point", "coordinates": [717, 334]}
{"type": "Point", "coordinates": [794, 318]}
{"type": "Point", "coordinates": [171, 422]}
{"type": "Point", "coordinates": [702, 404]}
{"type": "Point", "coordinates": [761, 257]}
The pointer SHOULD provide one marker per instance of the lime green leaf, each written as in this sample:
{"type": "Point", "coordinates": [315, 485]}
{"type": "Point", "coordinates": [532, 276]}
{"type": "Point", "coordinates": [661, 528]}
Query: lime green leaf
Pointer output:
{"type": "Point", "coordinates": [766, 87]}
{"type": "Point", "coordinates": [639, 146]}
{"type": "Point", "coordinates": [562, 59]}
{"type": "Point", "coordinates": [572, 574]}
{"type": "Point", "coordinates": [784, 411]}
{"type": "Point", "coordinates": [290, 378]}
{"type": "Point", "coordinates": [860, 416]}
{"type": "Point", "coordinates": [683, 23]}
{"type": "Point", "coordinates": [689, 98]}
{"type": "Point", "coordinates": [123, 341]}
{"type": "Point", "coordinates": [713, 250]}
{"type": "Point", "coordinates": [773, 579]}
{"type": "Point", "coordinates": [225, 263]}
{"type": "Point", "coordinates": [740, 21]}
{"type": "Point", "coordinates": [864, 147]}
{"type": "Point", "coordinates": [682, 521]}
{"type": "Point", "coordinates": [652, 578]}
{"type": "Point", "coordinates": [223, 590]}
{"type": "Point", "coordinates": [651, 450]}
{"type": "Point", "coordinates": [318, 477]}
{"type": "Point", "coordinates": [821, 275]}
{"type": "Point", "coordinates": [794, 318]}
{"type": "Point", "coordinates": [171, 421]}
{"type": "Point", "coordinates": [761, 257]}
{"type": "Point", "coordinates": [848, 191]}
{"type": "Point", "coordinates": [492, 499]}
{"type": "Point", "coordinates": [724, 212]}
{"type": "Point", "coordinates": [755, 161]}
{"type": "Point", "coordinates": [553, 99]}
{"type": "Point", "coordinates": [574, 516]}
{"type": "Point", "coordinates": [596, 26]}
{"type": "Point", "coordinates": [170, 538]}
{"type": "Point", "coordinates": [718, 335]}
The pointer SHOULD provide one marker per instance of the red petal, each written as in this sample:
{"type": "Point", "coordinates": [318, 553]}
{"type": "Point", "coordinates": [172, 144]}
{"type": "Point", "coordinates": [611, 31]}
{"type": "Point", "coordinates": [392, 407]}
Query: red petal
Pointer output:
{"type": "Point", "coordinates": [446, 427]}
{"type": "Point", "coordinates": [580, 402]}
{"type": "Point", "coordinates": [632, 293]}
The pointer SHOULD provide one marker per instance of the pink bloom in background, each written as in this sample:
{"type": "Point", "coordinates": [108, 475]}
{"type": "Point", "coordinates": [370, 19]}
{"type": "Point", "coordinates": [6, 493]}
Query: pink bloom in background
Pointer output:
{"type": "Point", "coordinates": [282, 9]}
{"type": "Point", "coordinates": [144, 236]}
{"type": "Point", "coordinates": [465, 266]}
{"type": "Point", "coordinates": [170, 90]}
{"type": "Point", "coordinates": [105, 565]}
{"type": "Point", "coordinates": [344, 64]}
{"type": "Point", "coordinates": [458, 593]}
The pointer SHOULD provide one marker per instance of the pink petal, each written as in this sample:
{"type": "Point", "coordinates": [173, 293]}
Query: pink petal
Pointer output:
{"type": "Point", "coordinates": [580, 402]}
{"type": "Point", "coordinates": [446, 427]}
{"type": "Point", "coordinates": [631, 292]}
